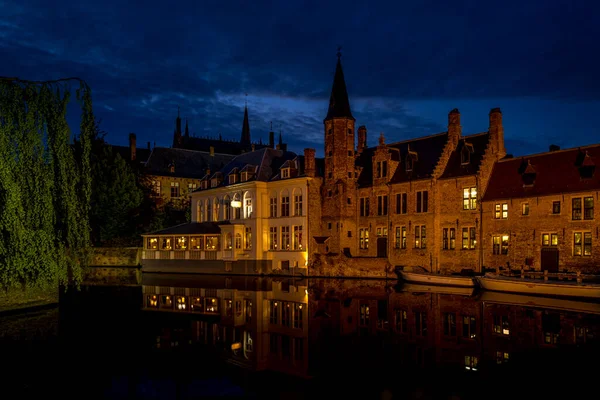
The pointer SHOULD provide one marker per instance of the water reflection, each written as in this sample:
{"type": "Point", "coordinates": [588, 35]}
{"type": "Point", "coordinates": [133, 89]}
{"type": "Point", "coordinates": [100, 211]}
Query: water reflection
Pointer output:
{"type": "Point", "coordinates": [304, 327]}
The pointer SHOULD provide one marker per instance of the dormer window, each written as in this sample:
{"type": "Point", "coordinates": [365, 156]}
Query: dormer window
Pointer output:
{"type": "Point", "coordinates": [216, 180]}
{"type": "Point", "coordinates": [465, 153]}
{"type": "Point", "coordinates": [232, 179]}
{"type": "Point", "coordinates": [247, 173]}
{"type": "Point", "coordinates": [204, 184]}
{"type": "Point", "coordinates": [172, 168]}
{"type": "Point", "coordinates": [411, 157]}
{"type": "Point", "coordinates": [214, 183]}
{"type": "Point", "coordinates": [586, 164]}
{"type": "Point", "coordinates": [285, 173]}
{"type": "Point", "coordinates": [528, 174]}
{"type": "Point", "coordinates": [381, 169]}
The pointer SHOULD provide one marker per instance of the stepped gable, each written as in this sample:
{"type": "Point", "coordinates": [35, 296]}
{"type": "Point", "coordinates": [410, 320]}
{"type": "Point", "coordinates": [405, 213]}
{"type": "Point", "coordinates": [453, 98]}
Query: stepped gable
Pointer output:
{"type": "Point", "coordinates": [476, 146]}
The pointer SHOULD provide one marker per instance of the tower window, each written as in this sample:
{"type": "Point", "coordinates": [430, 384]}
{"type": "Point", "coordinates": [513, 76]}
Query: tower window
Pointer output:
{"type": "Point", "coordinates": [329, 131]}
{"type": "Point", "coordinates": [350, 153]}
{"type": "Point", "coordinates": [349, 131]}
{"type": "Point", "coordinates": [330, 153]}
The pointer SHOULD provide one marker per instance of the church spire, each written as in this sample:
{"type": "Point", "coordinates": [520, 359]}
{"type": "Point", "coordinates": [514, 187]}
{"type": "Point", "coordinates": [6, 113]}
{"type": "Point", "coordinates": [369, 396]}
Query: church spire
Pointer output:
{"type": "Point", "coordinates": [339, 105]}
{"type": "Point", "coordinates": [245, 139]}
{"type": "Point", "coordinates": [177, 133]}
{"type": "Point", "coordinates": [187, 131]}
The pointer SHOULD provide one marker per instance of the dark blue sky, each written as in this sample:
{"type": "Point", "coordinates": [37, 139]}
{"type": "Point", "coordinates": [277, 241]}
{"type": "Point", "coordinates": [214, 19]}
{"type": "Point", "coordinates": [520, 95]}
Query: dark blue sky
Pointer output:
{"type": "Point", "coordinates": [407, 63]}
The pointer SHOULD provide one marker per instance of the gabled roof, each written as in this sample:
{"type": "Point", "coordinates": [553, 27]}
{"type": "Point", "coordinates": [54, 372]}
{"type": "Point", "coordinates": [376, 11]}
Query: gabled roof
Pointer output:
{"type": "Point", "coordinates": [188, 163]}
{"type": "Point", "coordinates": [556, 172]}
{"type": "Point", "coordinates": [222, 146]}
{"type": "Point", "coordinates": [339, 105]}
{"type": "Point", "coordinates": [455, 168]}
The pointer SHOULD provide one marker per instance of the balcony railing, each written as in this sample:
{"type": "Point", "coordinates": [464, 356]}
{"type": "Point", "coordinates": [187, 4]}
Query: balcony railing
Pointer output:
{"type": "Point", "coordinates": [182, 255]}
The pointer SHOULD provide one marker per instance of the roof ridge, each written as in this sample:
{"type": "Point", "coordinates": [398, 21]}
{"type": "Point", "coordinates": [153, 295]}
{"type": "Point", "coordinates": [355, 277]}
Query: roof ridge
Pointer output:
{"type": "Point", "coordinates": [195, 151]}
{"type": "Point", "coordinates": [549, 152]}
{"type": "Point", "coordinates": [415, 139]}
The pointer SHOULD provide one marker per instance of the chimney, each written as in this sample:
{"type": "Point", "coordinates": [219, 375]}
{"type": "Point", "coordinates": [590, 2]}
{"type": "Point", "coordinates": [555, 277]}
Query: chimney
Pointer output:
{"type": "Point", "coordinates": [212, 151]}
{"type": "Point", "coordinates": [362, 138]}
{"type": "Point", "coordinates": [309, 162]}
{"type": "Point", "coordinates": [496, 132]}
{"type": "Point", "coordinates": [554, 147]}
{"type": "Point", "coordinates": [132, 144]}
{"type": "Point", "coordinates": [454, 128]}
{"type": "Point", "coordinates": [272, 139]}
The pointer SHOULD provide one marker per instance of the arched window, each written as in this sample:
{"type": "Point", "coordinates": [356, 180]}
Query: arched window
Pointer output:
{"type": "Point", "coordinates": [200, 210]}
{"type": "Point", "coordinates": [238, 240]}
{"type": "Point", "coordinates": [228, 243]}
{"type": "Point", "coordinates": [209, 210]}
{"type": "Point", "coordinates": [247, 205]}
{"type": "Point", "coordinates": [297, 202]}
{"type": "Point", "coordinates": [226, 208]}
{"type": "Point", "coordinates": [215, 209]}
{"type": "Point", "coordinates": [236, 204]}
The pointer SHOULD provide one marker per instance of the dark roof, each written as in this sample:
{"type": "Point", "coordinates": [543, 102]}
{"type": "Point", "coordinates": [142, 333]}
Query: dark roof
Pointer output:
{"type": "Point", "coordinates": [427, 149]}
{"type": "Point", "coordinates": [475, 145]}
{"type": "Point", "coordinates": [192, 228]}
{"type": "Point", "coordinates": [339, 105]}
{"type": "Point", "coordinates": [245, 138]}
{"type": "Point", "coordinates": [222, 146]}
{"type": "Point", "coordinates": [268, 162]}
{"type": "Point", "coordinates": [556, 172]}
{"type": "Point", "coordinates": [188, 163]}
{"type": "Point", "coordinates": [141, 153]}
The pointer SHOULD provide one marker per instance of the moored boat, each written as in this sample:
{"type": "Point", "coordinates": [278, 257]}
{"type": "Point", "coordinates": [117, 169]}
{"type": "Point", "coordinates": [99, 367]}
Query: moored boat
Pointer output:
{"type": "Point", "coordinates": [549, 303]}
{"type": "Point", "coordinates": [499, 283]}
{"type": "Point", "coordinates": [420, 275]}
{"type": "Point", "coordinates": [439, 289]}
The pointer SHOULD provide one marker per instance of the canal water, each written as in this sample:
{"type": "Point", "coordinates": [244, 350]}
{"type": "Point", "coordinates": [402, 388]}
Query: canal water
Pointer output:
{"type": "Point", "coordinates": [179, 337]}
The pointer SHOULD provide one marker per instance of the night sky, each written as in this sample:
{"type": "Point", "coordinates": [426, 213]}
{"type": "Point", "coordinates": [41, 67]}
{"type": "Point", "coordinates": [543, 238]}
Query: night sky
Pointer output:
{"type": "Point", "coordinates": [407, 64]}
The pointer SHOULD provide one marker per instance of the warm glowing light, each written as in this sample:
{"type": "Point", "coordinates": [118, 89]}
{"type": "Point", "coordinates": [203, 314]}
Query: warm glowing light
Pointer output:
{"type": "Point", "coordinates": [305, 291]}
{"type": "Point", "coordinates": [236, 204]}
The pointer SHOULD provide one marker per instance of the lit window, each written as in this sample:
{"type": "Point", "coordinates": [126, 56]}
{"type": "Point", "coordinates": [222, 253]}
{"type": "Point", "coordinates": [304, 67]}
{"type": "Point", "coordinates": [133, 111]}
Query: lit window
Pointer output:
{"type": "Point", "coordinates": [501, 211]}
{"type": "Point", "coordinates": [501, 326]}
{"type": "Point", "coordinates": [174, 189]}
{"type": "Point", "coordinates": [525, 209]}
{"type": "Point", "coordinates": [469, 198]}
{"type": "Point", "coordinates": [582, 244]}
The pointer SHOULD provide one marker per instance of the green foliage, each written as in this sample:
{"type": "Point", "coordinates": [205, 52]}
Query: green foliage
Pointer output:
{"type": "Point", "coordinates": [44, 189]}
{"type": "Point", "coordinates": [116, 198]}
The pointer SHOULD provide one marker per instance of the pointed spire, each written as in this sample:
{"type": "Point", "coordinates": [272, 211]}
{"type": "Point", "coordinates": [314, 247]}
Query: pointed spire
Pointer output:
{"type": "Point", "coordinates": [245, 139]}
{"type": "Point", "coordinates": [187, 131]}
{"type": "Point", "coordinates": [339, 105]}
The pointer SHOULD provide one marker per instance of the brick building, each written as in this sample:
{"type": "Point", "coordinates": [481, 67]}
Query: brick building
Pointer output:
{"type": "Point", "coordinates": [407, 203]}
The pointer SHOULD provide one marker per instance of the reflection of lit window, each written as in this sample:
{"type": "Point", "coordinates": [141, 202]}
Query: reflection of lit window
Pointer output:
{"type": "Point", "coordinates": [286, 314]}
{"type": "Point", "coordinates": [197, 305]}
{"type": "Point", "coordinates": [469, 326]}
{"type": "Point", "coordinates": [238, 308]}
{"type": "Point", "coordinates": [181, 243]}
{"type": "Point", "coordinates": [501, 326]}
{"type": "Point", "coordinates": [212, 305]}
{"type": "Point", "coordinates": [152, 301]}
{"type": "Point", "coordinates": [228, 244]}
{"type": "Point", "coordinates": [229, 307]}
{"type": "Point", "coordinates": [501, 357]}
{"type": "Point", "coordinates": [364, 315]}
{"type": "Point", "coordinates": [181, 303]}
{"type": "Point", "coordinates": [152, 243]}
{"type": "Point", "coordinates": [298, 315]}
{"type": "Point", "coordinates": [248, 310]}
{"type": "Point", "coordinates": [471, 363]}
{"type": "Point", "coordinates": [249, 342]}
{"type": "Point", "coordinates": [273, 311]}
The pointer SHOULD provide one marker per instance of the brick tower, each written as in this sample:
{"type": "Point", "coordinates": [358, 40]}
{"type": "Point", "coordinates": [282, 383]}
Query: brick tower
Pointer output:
{"type": "Point", "coordinates": [339, 189]}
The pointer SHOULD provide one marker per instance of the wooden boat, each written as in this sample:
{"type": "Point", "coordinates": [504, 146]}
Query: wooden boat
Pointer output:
{"type": "Point", "coordinates": [420, 275]}
{"type": "Point", "coordinates": [547, 303]}
{"type": "Point", "coordinates": [499, 283]}
{"type": "Point", "coordinates": [419, 288]}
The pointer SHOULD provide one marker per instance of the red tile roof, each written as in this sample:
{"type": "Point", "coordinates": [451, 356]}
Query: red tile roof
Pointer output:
{"type": "Point", "coordinates": [555, 172]}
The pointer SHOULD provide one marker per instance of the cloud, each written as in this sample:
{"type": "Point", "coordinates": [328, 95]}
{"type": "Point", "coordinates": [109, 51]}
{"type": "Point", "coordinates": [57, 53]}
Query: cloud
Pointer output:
{"type": "Point", "coordinates": [145, 59]}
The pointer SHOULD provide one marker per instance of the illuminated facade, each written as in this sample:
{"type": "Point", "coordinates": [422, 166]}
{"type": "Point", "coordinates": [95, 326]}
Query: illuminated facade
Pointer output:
{"type": "Point", "coordinates": [249, 217]}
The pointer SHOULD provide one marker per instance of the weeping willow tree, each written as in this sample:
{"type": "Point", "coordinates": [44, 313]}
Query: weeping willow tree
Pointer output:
{"type": "Point", "coordinates": [45, 184]}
